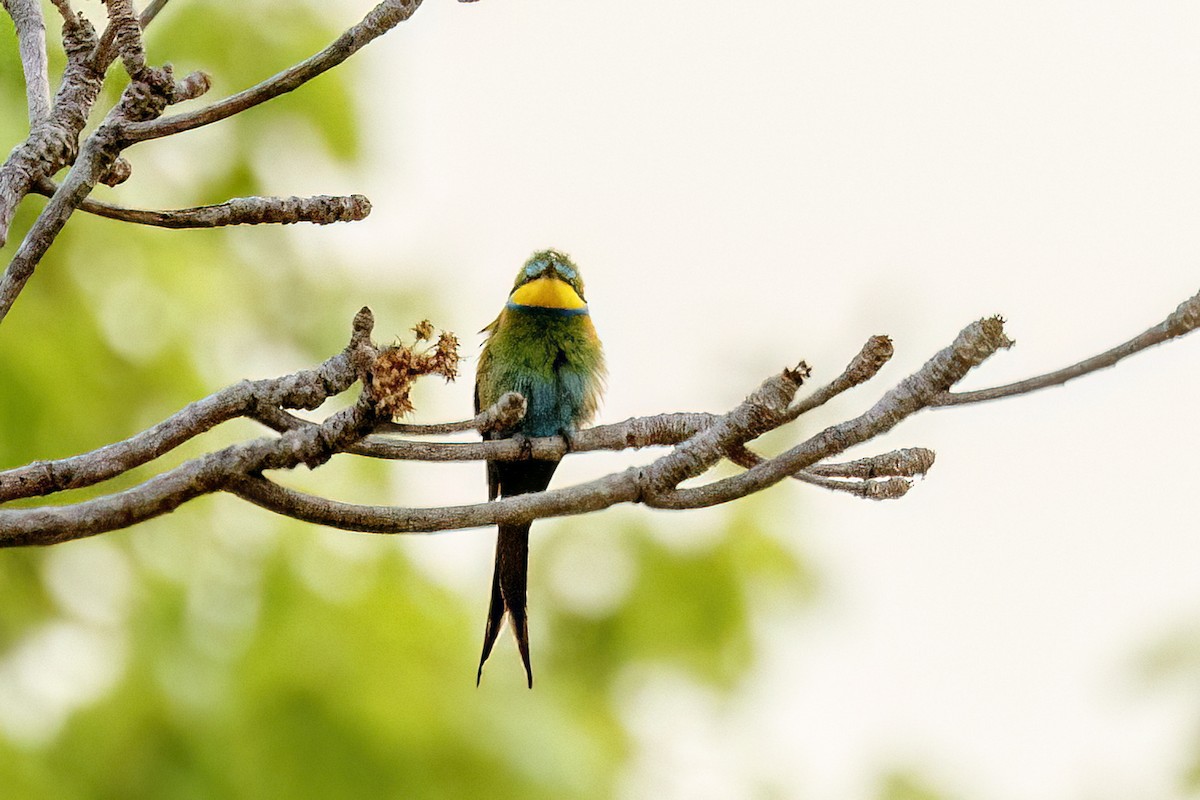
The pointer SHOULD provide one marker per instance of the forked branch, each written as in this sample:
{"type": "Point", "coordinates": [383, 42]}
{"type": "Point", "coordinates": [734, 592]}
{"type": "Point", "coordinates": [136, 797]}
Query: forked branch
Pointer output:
{"type": "Point", "coordinates": [697, 441]}
{"type": "Point", "coordinates": [54, 141]}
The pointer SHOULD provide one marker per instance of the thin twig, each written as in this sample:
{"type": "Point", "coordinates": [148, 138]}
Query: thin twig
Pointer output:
{"type": "Point", "coordinates": [504, 413]}
{"type": "Point", "coordinates": [105, 52]}
{"type": "Point", "coordinates": [908, 462]}
{"type": "Point", "coordinates": [1183, 320]}
{"type": "Point", "coordinates": [166, 492]}
{"type": "Point", "coordinates": [861, 478]}
{"type": "Point", "coordinates": [633, 433]}
{"type": "Point", "coordinates": [53, 145]}
{"type": "Point", "coordinates": [305, 389]}
{"type": "Point", "coordinates": [874, 354]}
{"type": "Point", "coordinates": [377, 22]}
{"type": "Point", "coordinates": [98, 154]}
{"type": "Point", "coordinates": [31, 43]}
{"type": "Point", "coordinates": [973, 345]}
{"type": "Point", "coordinates": [872, 489]}
{"type": "Point", "coordinates": [320, 210]}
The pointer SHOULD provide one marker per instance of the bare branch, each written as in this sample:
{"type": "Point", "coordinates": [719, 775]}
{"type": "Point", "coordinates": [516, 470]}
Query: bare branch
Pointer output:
{"type": "Point", "coordinates": [125, 31]}
{"type": "Point", "coordinates": [163, 493]}
{"type": "Point", "coordinates": [98, 154]}
{"type": "Point", "coordinates": [306, 389]}
{"type": "Point", "coordinates": [700, 441]}
{"type": "Point", "coordinates": [31, 42]}
{"type": "Point", "coordinates": [166, 492]}
{"type": "Point", "coordinates": [385, 16]}
{"type": "Point", "coordinates": [235, 467]}
{"type": "Point", "coordinates": [975, 344]}
{"type": "Point", "coordinates": [873, 489]}
{"type": "Point", "coordinates": [143, 99]}
{"type": "Point", "coordinates": [104, 53]}
{"type": "Point", "coordinates": [66, 12]}
{"type": "Point", "coordinates": [321, 210]}
{"type": "Point", "coordinates": [906, 463]}
{"type": "Point", "coordinates": [53, 145]}
{"type": "Point", "coordinates": [151, 11]}
{"type": "Point", "coordinates": [861, 477]}
{"type": "Point", "coordinates": [1184, 319]}
{"type": "Point", "coordinates": [634, 433]}
{"type": "Point", "coordinates": [875, 353]}
{"type": "Point", "coordinates": [505, 413]}
{"type": "Point", "coordinates": [621, 487]}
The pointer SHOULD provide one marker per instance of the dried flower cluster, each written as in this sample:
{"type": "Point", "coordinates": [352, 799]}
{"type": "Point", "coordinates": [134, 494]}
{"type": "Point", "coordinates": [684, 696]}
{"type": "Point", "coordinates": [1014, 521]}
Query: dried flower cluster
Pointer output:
{"type": "Point", "coordinates": [397, 367]}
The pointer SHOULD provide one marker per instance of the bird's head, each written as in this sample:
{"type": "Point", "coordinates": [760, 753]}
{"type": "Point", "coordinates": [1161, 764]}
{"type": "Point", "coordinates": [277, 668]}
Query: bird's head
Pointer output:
{"type": "Point", "coordinates": [549, 280]}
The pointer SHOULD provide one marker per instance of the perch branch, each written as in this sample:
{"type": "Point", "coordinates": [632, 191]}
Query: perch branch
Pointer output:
{"type": "Point", "coordinates": [306, 389]}
{"type": "Point", "coordinates": [699, 441]}
{"type": "Point", "coordinates": [166, 492]}
{"type": "Point", "coordinates": [633, 433]}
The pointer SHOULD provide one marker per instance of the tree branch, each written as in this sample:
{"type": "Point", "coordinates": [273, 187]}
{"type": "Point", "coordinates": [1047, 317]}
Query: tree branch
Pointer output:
{"type": "Point", "coordinates": [99, 153]}
{"type": "Point", "coordinates": [137, 118]}
{"type": "Point", "coordinates": [306, 389]}
{"type": "Point", "coordinates": [633, 433]}
{"type": "Point", "coordinates": [31, 42]}
{"type": "Point", "coordinates": [976, 343]}
{"type": "Point", "coordinates": [54, 144]}
{"type": "Point", "coordinates": [1184, 319]}
{"type": "Point", "coordinates": [125, 32]}
{"type": "Point", "coordinates": [377, 22]}
{"type": "Point", "coordinates": [699, 441]}
{"type": "Point", "coordinates": [166, 492]}
{"type": "Point", "coordinates": [321, 210]}
{"type": "Point", "coordinates": [143, 99]}
{"type": "Point", "coordinates": [860, 477]}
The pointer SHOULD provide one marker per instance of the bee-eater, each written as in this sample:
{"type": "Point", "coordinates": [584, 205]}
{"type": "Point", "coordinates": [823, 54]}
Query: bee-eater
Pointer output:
{"type": "Point", "coordinates": [544, 346]}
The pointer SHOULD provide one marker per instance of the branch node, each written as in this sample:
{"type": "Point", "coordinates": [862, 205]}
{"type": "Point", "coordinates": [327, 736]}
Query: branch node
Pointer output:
{"type": "Point", "coordinates": [151, 91]}
{"type": "Point", "coordinates": [193, 86]}
{"type": "Point", "coordinates": [118, 173]}
{"type": "Point", "coordinates": [1186, 317]}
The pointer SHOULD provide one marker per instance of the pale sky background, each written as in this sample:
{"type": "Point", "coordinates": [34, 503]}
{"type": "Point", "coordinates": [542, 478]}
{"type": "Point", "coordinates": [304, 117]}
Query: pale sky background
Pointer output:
{"type": "Point", "coordinates": [747, 185]}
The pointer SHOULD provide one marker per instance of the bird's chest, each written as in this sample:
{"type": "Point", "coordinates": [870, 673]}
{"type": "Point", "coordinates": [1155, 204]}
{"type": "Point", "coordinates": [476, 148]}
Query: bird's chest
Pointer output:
{"type": "Point", "coordinates": [553, 385]}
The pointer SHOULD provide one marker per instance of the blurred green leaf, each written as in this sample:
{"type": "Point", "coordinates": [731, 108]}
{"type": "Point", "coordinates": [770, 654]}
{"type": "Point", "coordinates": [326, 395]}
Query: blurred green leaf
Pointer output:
{"type": "Point", "coordinates": [259, 657]}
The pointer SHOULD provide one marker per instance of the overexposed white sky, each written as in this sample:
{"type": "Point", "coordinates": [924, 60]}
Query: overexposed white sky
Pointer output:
{"type": "Point", "coordinates": [746, 185]}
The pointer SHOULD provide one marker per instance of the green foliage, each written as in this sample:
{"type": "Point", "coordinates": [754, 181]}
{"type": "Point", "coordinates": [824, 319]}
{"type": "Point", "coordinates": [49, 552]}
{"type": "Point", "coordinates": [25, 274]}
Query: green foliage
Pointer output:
{"type": "Point", "coordinates": [238, 655]}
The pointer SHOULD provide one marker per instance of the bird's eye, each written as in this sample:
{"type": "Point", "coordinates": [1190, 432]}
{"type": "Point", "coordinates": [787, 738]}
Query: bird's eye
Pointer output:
{"type": "Point", "coordinates": [566, 271]}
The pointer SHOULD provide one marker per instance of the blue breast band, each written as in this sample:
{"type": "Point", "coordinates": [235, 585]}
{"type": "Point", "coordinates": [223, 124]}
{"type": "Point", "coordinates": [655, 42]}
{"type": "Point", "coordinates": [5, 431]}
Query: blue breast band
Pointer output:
{"type": "Point", "coordinates": [556, 312]}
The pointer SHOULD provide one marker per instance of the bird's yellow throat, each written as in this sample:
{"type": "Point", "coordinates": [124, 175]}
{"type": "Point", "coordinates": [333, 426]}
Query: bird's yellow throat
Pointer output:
{"type": "Point", "coordinates": [547, 293]}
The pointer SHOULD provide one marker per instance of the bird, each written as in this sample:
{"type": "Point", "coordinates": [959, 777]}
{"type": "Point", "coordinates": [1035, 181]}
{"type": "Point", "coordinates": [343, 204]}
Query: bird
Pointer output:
{"type": "Point", "coordinates": [543, 346]}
